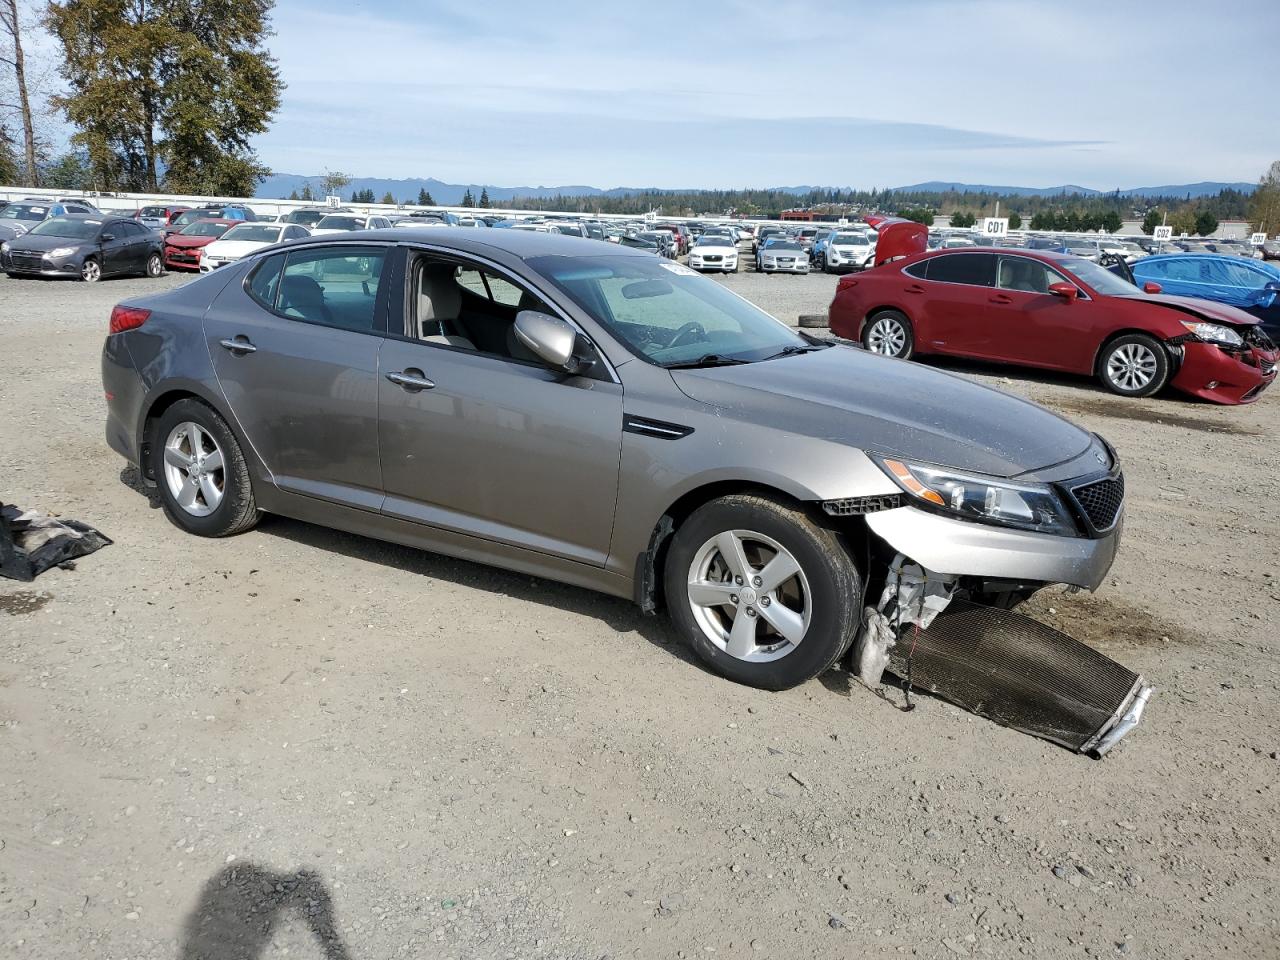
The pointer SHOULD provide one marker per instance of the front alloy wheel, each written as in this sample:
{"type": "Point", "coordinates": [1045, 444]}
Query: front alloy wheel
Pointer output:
{"type": "Point", "coordinates": [1134, 365]}
{"type": "Point", "coordinates": [91, 271]}
{"type": "Point", "coordinates": [155, 266]}
{"type": "Point", "coordinates": [763, 594]}
{"type": "Point", "coordinates": [749, 596]}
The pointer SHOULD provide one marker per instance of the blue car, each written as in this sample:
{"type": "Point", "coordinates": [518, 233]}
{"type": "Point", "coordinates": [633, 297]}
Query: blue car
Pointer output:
{"type": "Point", "coordinates": [1252, 285]}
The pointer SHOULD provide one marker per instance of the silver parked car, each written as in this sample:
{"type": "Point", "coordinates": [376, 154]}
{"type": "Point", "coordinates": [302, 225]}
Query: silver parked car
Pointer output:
{"type": "Point", "coordinates": [602, 417]}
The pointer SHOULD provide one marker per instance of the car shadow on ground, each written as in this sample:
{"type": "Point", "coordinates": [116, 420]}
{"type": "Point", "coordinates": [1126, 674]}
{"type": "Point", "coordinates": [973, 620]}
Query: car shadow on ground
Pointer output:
{"type": "Point", "coordinates": [242, 905]}
{"type": "Point", "coordinates": [621, 616]}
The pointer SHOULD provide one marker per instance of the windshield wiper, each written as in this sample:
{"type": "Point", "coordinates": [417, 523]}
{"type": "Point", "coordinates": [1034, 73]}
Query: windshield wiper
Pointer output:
{"type": "Point", "coordinates": [796, 348]}
{"type": "Point", "coordinates": [707, 360]}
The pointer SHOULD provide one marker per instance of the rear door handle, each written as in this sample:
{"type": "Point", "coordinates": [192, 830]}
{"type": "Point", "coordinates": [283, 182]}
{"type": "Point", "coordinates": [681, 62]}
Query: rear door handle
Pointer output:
{"type": "Point", "coordinates": [1001, 298]}
{"type": "Point", "coordinates": [411, 379]}
{"type": "Point", "coordinates": [239, 345]}
{"type": "Point", "coordinates": [915, 288]}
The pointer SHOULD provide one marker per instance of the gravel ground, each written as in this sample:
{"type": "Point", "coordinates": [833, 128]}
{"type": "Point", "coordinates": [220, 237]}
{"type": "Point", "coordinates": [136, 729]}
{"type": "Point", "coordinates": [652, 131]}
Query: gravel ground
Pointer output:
{"type": "Point", "coordinates": [308, 744]}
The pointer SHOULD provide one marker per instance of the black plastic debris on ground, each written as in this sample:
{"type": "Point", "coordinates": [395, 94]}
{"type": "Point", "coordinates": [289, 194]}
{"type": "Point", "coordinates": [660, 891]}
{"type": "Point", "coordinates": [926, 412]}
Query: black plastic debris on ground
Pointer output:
{"type": "Point", "coordinates": [1019, 672]}
{"type": "Point", "coordinates": [32, 542]}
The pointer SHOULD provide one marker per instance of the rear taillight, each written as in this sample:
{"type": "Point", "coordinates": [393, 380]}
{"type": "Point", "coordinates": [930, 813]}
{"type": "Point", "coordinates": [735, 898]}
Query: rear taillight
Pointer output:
{"type": "Point", "coordinates": [127, 318]}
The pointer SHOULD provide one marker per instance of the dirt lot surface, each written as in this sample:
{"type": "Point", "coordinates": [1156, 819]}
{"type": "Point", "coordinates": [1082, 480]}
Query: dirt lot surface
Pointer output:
{"type": "Point", "coordinates": [303, 743]}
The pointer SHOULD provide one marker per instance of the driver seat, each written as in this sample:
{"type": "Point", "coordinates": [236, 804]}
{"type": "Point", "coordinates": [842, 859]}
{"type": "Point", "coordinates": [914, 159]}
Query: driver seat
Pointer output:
{"type": "Point", "coordinates": [439, 307]}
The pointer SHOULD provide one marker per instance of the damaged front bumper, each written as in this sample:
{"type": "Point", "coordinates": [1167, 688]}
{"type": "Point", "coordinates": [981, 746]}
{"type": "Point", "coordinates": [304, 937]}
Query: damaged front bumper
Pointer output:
{"type": "Point", "coordinates": [964, 548]}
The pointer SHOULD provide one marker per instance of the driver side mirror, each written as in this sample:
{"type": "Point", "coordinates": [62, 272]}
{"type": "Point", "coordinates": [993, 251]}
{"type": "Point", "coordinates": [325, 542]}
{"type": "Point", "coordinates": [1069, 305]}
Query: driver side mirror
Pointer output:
{"type": "Point", "coordinates": [1151, 287]}
{"type": "Point", "coordinates": [108, 237]}
{"type": "Point", "coordinates": [552, 340]}
{"type": "Point", "coordinates": [1272, 287]}
{"type": "Point", "coordinates": [1067, 291]}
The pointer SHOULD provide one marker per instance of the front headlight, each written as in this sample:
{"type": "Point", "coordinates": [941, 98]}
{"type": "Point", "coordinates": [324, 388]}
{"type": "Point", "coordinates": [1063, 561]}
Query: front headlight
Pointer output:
{"type": "Point", "coordinates": [4, 247]}
{"type": "Point", "coordinates": [1214, 333]}
{"type": "Point", "coordinates": [1027, 506]}
{"type": "Point", "coordinates": [57, 252]}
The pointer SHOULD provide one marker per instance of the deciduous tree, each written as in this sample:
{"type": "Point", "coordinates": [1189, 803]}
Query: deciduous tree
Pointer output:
{"type": "Point", "coordinates": [8, 159]}
{"type": "Point", "coordinates": [333, 181]}
{"type": "Point", "coordinates": [1264, 206]}
{"type": "Point", "coordinates": [175, 85]}
{"type": "Point", "coordinates": [13, 56]}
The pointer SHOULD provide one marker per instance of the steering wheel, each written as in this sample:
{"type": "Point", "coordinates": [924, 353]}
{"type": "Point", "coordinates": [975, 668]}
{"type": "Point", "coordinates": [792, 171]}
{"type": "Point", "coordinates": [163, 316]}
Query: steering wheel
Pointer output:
{"type": "Point", "coordinates": [688, 330]}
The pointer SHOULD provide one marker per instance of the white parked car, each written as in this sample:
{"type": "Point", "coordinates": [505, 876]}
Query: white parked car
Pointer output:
{"type": "Point", "coordinates": [848, 250]}
{"type": "Point", "coordinates": [782, 255]}
{"type": "Point", "coordinates": [342, 222]}
{"type": "Point", "coordinates": [244, 238]}
{"type": "Point", "coordinates": [714, 252]}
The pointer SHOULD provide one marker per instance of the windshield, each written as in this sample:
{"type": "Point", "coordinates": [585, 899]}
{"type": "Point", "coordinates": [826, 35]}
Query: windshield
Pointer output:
{"type": "Point", "coordinates": [1099, 278]}
{"type": "Point", "coordinates": [154, 212]}
{"type": "Point", "coordinates": [307, 218]}
{"type": "Point", "coordinates": [782, 245]}
{"type": "Point", "coordinates": [253, 231]}
{"type": "Point", "coordinates": [850, 240]}
{"type": "Point", "coordinates": [340, 223]}
{"type": "Point", "coordinates": [714, 241]}
{"type": "Point", "coordinates": [665, 312]}
{"type": "Point", "coordinates": [67, 227]}
{"type": "Point", "coordinates": [23, 211]}
{"type": "Point", "coordinates": [191, 216]}
{"type": "Point", "coordinates": [204, 228]}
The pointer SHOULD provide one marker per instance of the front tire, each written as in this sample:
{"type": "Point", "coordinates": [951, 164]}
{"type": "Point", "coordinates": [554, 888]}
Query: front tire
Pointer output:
{"type": "Point", "coordinates": [889, 334]}
{"type": "Point", "coordinates": [203, 477]}
{"type": "Point", "coordinates": [1134, 365]}
{"type": "Point", "coordinates": [91, 271]}
{"type": "Point", "coordinates": [155, 266]}
{"type": "Point", "coordinates": [762, 594]}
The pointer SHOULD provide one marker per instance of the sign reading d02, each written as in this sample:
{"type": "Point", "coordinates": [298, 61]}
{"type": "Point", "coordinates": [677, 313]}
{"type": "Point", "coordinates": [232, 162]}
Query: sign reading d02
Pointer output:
{"type": "Point", "coordinates": [995, 226]}
{"type": "Point", "coordinates": [1257, 239]}
{"type": "Point", "coordinates": [1162, 234]}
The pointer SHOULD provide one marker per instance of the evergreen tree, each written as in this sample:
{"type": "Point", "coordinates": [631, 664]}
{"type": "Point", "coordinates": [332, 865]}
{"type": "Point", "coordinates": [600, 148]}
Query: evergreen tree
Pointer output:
{"type": "Point", "coordinates": [306, 192]}
{"type": "Point", "coordinates": [1206, 223]}
{"type": "Point", "coordinates": [484, 198]}
{"type": "Point", "coordinates": [293, 195]}
{"type": "Point", "coordinates": [181, 86]}
{"type": "Point", "coordinates": [1015, 221]}
{"type": "Point", "coordinates": [8, 157]}
{"type": "Point", "coordinates": [467, 199]}
{"type": "Point", "coordinates": [388, 198]}
{"type": "Point", "coordinates": [424, 198]}
{"type": "Point", "coordinates": [1153, 219]}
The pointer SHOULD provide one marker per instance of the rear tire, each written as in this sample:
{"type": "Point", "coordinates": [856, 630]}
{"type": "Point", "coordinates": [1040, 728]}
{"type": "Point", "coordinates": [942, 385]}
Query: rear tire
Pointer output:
{"type": "Point", "coordinates": [889, 334]}
{"type": "Point", "coordinates": [797, 609]}
{"type": "Point", "coordinates": [210, 495]}
{"type": "Point", "coordinates": [1134, 365]}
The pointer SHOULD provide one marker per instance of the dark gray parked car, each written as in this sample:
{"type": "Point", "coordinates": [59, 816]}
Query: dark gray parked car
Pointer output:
{"type": "Point", "coordinates": [88, 247]}
{"type": "Point", "coordinates": [597, 416]}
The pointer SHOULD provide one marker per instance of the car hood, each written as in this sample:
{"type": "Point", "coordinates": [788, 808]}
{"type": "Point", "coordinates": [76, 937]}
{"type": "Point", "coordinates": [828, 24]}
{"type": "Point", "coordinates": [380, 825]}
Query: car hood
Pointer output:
{"type": "Point", "coordinates": [877, 404]}
{"type": "Point", "coordinates": [725, 251]}
{"type": "Point", "coordinates": [41, 243]}
{"type": "Point", "coordinates": [180, 240]}
{"type": "Point", "coordinates": [1208, 309]}
{"type": "Point", "coordinates": [236, 248]}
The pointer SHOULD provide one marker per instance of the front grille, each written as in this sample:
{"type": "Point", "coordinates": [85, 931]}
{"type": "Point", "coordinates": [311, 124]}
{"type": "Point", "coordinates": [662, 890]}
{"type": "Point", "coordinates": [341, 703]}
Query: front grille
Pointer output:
{"type": "Point", "coordinates": [712, 258]}
{"type": "Point", "coordinates": [1101, 501]}
{"type": "Point", "coordinates": [24, 260]}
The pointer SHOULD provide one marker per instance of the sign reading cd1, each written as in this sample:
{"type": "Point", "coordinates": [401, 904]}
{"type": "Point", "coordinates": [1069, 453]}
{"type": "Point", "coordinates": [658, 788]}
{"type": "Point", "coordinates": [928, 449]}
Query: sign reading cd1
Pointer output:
{"type": "Point", "coordinates": [995, 226]}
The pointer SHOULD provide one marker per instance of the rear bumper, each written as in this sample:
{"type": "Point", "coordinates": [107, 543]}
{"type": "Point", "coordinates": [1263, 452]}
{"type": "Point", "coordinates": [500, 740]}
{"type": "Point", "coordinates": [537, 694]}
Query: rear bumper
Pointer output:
{"type": "Point", "coordinates": [125, 393]}
{"type": "Point", "coordinates": [1220, 377]}
{"type": "Point", "coordinates": [963, 548]}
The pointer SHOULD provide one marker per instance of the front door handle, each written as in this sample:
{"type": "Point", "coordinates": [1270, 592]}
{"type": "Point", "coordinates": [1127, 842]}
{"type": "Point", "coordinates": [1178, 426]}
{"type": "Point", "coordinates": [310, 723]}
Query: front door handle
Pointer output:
{"type": "Point", "coordinates": [1001, 298]}
{"type": "Point", "coordinates": [239, 345]}
{"type": "Point", "coordinates": [411, 379]}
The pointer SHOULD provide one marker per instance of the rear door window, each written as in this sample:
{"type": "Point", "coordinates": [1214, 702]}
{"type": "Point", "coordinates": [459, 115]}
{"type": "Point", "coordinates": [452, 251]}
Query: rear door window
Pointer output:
{"type": "Point", "coordinates": [973, 269]}
{"type": "Point", "coordinates": [334, 286]}
{"type": "Point", "coordinates": [264, 282]}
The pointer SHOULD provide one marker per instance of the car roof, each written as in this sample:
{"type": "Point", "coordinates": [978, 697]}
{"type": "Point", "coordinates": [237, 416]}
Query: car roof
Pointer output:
{"type": "Point", "coordinates": [519, 243]}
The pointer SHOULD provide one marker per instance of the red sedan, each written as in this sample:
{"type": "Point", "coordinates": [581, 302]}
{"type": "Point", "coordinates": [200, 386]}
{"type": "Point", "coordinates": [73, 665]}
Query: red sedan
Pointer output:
{"type": "Point", "coordinates": [1058, 312]}
{"type": "Point", "coordinates": [182, 250]}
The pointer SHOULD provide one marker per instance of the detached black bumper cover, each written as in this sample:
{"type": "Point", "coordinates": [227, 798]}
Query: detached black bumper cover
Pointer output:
{"type": "Point", "coordinates": [1025, 675]}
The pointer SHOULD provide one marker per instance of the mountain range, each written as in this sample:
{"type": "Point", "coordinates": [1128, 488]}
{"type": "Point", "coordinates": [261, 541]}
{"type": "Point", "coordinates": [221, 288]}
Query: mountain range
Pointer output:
{"type": "Point", "coordinates": [449, 194]}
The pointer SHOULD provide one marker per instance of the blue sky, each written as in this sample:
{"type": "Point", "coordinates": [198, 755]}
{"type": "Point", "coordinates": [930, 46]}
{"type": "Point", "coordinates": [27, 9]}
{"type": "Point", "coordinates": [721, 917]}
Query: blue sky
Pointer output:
{"type": "Point", "coordinates": [732, 93]}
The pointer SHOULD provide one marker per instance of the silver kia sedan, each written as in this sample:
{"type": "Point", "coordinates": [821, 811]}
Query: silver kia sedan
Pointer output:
{"type": "Point", "coordinates": [597, 416]}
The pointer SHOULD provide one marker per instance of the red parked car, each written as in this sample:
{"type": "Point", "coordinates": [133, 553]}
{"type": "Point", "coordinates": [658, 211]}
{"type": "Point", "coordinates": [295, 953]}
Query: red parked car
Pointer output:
{"type": "Point", "coordinates": [182, 250]}
{"type": "Point", "coordinates": [1055, 311]}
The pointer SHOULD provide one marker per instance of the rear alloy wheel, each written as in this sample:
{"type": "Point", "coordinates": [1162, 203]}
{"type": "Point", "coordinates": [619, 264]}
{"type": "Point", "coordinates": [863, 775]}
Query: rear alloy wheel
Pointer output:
{"type": "Point", "coordinates": [155, 266]}
{"type": "Point", "coordinates": [204, 480]}
{"type": "Point", "coordinates": [91, 271]}
{"type": "Point", "coordinates": [888, 333]}
{"type": "Point", "coordinates": [762, 594]}
{"type": "Point", "coordinates": [1134, 365]}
